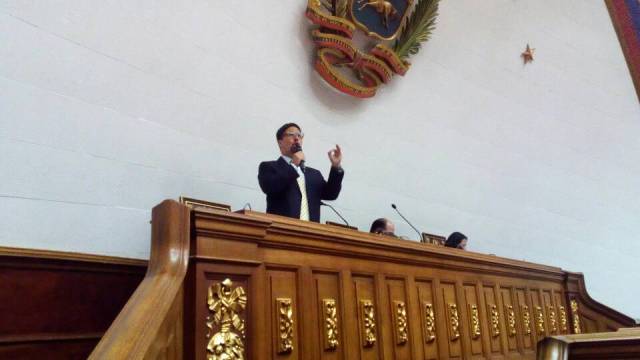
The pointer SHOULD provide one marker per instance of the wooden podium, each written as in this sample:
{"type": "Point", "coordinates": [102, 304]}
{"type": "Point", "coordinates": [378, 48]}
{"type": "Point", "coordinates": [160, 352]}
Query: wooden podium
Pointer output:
{"type": "Point", "coordinates": [248, 285]}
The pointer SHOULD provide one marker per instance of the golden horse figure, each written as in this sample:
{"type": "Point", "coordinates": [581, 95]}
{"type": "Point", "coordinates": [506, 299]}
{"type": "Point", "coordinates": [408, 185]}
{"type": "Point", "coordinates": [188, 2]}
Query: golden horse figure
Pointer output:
{"type": "Point", "coordinates": [383, 7]}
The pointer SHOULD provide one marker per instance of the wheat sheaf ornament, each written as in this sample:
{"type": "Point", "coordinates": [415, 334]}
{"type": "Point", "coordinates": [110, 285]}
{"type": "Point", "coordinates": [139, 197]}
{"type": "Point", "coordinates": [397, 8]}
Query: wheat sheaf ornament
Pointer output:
{"type": "Point", "coordinates": [398, 28]}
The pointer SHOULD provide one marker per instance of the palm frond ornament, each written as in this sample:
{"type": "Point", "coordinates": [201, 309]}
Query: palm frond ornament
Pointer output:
{"type": "Point", "coordinates": [398, 27]}
{"type": "Point", "coordinates": [417, 29]}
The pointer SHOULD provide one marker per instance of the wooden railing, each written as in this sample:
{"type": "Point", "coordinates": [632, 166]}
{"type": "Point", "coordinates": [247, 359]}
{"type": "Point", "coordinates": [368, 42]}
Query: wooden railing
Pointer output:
{"type": "Point", "coordinates": [150, 325]}
{"type": "Point", "coordinates": [260, 286]}
{"type": "Point", "coordinates": [622, 344]}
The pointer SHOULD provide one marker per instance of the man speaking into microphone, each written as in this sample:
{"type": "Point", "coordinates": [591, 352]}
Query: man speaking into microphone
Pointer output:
{"type": "Point", "coordinates": [292, 188]}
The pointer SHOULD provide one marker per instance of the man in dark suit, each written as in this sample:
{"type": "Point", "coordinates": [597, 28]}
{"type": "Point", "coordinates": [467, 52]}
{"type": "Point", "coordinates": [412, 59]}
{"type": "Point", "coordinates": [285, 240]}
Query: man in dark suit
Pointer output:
{"type": "Point", "coordinates": [293, 189]}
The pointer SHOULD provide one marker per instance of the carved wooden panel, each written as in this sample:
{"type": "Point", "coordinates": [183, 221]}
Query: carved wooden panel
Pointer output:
{"type": "Point", "coordinates": [396, 295]}
{"type": "Point", "coordinates": [428, 320]}
{"type": "Point", "coordinates": [551, 316]}
{"type": "Point", "coordinates": [452, 319]}
{"type": "Point", "coordinates": [328, 315]}
{"type": "Point", "coordinates": [365, 306]}
{"type": "Point", "coordinates": [538, 323]}
{"type": "Point", "coordinates": [509, 319]}
{"type": "Point", "coordinates": [523, 318]}
{"type": "Point", "coordinates": [473, 319]}
{"type": "Point", "coordinates": [283, 311]}
{"type": "Point", "coordinates": [563, 316]}
{"type": "Point", "coordinates": [221, 298]}
{"type": "Point", "coordinates": [493, 318]}
{"type": "Point", "coordinates": [225, 321]}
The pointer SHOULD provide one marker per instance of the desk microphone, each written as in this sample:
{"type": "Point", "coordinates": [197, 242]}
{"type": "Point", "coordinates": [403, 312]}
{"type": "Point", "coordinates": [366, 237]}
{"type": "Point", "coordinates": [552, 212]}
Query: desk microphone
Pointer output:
{"type": "Point", "coordinates": [335, 211]}
{"type": "Point", "coordinates": [247, 205]}
{"type": "Point", "coordinates": [407, 221]}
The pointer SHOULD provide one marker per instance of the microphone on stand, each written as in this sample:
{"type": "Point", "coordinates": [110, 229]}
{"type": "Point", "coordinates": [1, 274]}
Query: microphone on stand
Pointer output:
{"type": "Point", "coordinates": [407, 221]}
{"type": "Point", "coordinates": [294, 149]}
{"type": "Point", "coordinates": [335, 211]}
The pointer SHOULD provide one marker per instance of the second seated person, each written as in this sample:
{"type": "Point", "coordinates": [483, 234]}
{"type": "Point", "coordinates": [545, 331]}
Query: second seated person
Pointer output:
{"type": "Point", "coordinates": [292, 188]}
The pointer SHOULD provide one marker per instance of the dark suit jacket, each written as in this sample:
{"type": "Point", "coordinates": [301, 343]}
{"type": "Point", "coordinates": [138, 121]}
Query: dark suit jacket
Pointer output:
{"type": "Point", "coordinates": [278, 180]}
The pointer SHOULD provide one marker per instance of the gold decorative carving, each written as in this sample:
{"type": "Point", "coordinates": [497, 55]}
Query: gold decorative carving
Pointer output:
{"type": "Point", "coordinates": [225, 305]}
{"type": "Point", "coordinates": [367, 315]}
{"type": "Point", "coordinates": [429, 322]}
{"type": "Point", "coordinates": [576, 318]}
{"type": "Point", "coordinates": [563, 319]}
{"type": "Point", "coordinates": [474, 319]}
{"type": "Point", "coordinates": [495, 320]}
{"type": "Point", "coordinates": [526, 318]}
{"type": "Point", "coordinates": [553, 327]}
{"type": "Point", "coordinates": [330, 314]}
{"type": "Point", "coordinates": [539, 320]}
{"type": "Point", "coordinates": [285, 325]}
{"type": "Point", "coordinates": [454, 321]}
{"type": "Point", "coordinates": [400, 317]}
{"type": "Point", "coordinates": [511, 320]}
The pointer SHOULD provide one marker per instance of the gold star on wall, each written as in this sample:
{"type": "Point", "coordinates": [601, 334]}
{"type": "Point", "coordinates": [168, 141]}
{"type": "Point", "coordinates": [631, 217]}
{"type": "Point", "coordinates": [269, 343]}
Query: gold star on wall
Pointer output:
{"type": "Point", "coordinates": [527, 55]}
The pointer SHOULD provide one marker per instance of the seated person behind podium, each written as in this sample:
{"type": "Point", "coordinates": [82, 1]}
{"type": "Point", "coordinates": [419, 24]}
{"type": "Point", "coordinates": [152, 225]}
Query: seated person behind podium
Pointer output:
{"type": "Point", "coordinates": [383, 226]}
{"type": "Point", "coordinates": [292, 188]}
{"type": "Point", "coordinates": [456, 240]}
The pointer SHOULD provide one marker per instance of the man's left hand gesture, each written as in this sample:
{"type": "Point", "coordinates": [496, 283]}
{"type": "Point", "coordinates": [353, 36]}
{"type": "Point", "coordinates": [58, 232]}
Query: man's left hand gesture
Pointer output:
{"type": "Point", "coordinates": [335, 156]}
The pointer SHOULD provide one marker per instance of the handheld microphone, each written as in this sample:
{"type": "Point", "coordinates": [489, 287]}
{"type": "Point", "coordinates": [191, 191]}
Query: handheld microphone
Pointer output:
{"type": "Point", "coordinates": [294, 149]}
{"type": "Point", "coordinates": [407, 221]}
{"type": "Point", "coordinates": [335, 211]}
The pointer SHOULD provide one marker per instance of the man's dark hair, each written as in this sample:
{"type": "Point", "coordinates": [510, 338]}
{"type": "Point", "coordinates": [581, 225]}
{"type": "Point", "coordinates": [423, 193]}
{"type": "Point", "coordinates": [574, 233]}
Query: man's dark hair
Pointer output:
{"type": "Point", "coordinates": [281, 130]}
{"type": "Point", "coordinates": [378, 226]}
{"type": "Point", "coordinates": [455, 239]}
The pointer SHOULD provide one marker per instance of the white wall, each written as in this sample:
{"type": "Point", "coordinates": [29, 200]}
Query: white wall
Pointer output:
{"type": "Point", "coordinates": [108, 107]}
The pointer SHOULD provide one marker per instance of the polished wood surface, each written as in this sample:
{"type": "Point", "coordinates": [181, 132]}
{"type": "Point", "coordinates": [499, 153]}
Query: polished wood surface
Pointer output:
{"type": "Point", "coordinates": [57, 305]}
{"type": "Point", "coordinates": [486, 296]}
{"type": "Point", "coordinates": [150, 325]}
{"type": "Point", "coordinates": [622, 344]}
{"type": "Point", "coordinates": [271, 287]}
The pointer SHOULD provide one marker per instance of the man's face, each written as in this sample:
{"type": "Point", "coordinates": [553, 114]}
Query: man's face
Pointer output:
{"type": "Point", "coordinates": [390, 228]}
{"type": "Point", "coordinates": [290, 137]}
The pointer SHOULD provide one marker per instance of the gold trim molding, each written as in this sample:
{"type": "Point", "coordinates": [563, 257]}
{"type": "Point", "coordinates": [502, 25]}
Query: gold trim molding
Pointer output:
{"type": "Point", "coordinates": [284, 308]}
{"type": "Point", "coordinates": [368, 323]}
{"type": "Point", "coordinates": [553, 322]}
{"type": "Point", "coordinates": [526, 319]}
{"type": "Point", "coordinates": [563, 318]}
{"type": "Point", "coordinates": [474, 321]}
{"type": "Point", "coordinates": [539, 320]}
{"type": "Point", "coordinates": [577, 329]}
{"type": "Point", "coordinates": [330, 321]}
{"type": "Point", "coordinates": [454, 321]}
{"type": "Point", "coordinates": [225, 304]}
{"type": "Point", "coordinates": [400, 320]}
{"type": "Point", "coordinates": [429, 322]}
{"type": "Point", "coordinates": [494, 317]}
{"type": "Point", "coordinates": [511, 320]}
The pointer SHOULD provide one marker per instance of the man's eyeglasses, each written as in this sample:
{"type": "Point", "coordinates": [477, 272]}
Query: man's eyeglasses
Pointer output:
{"type": "Point", "coordinates": [298, 135]}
